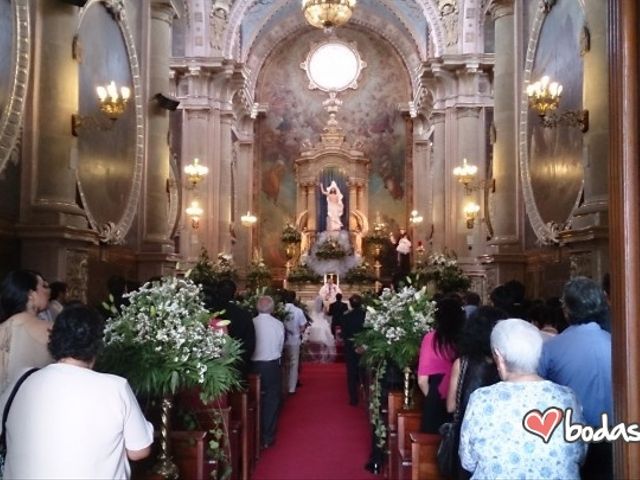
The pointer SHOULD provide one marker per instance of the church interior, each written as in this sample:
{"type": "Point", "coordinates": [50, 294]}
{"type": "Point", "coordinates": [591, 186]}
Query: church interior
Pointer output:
{"type": "Point", "coordinates": [137, 136]}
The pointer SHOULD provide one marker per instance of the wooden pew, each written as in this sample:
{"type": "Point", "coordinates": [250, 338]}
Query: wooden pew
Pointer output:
{"type": "Point", "coordinates": [408, 423]}
{"type": "Point", "coordinates": [254, 413]}
{"type": "Point", "coordinates": [189, 451]}
{"type": "Point", "coordinates": [240, 414]}
{"type": "Point", "coordinates": [394, 405]}
{"type": "Point", "coordinates": [424, 449]}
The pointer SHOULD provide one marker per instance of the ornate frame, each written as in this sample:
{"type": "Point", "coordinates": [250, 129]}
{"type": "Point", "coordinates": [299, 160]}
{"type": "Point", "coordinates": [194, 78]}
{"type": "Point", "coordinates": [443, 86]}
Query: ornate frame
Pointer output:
{"type": "Point", "coordinates": [11, 119]}
{"type": "Point", "coordinates": [115, 232]}
{"type": "Point", "coordinates": [547, 233]}
{"type": "Point", "coordinates": [351, 46]}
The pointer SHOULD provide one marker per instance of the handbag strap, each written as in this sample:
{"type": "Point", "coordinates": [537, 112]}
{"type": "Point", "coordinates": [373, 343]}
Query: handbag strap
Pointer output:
{"type": "Point", "coordinates": [463, 371]}
{"type": "Point", "coordinates": [7, 406]}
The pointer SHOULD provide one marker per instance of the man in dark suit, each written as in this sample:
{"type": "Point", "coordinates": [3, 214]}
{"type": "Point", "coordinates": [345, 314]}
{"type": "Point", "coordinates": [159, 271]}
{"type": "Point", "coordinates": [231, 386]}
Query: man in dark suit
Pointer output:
{"type": "Point", "coordinates": [241, 326]}
{"type": "Point", "coordinates": [336, 311]}
{"type": "Point", "coordinates": [353, 323]}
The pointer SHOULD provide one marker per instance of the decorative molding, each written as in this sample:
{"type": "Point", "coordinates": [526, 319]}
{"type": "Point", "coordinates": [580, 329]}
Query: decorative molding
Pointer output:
{"type": "Point", "coordinates": [546, 232]}
{"type": "Point", "coordinates": [115, 232]}
{"type": "Point", "coordinates": [12, 114]}
{"type": "Point", "coordinates": [163, 12]}
{"type": "Point", "coordinates": [77, 274]}
{"type": "Point", "coordinates": [464, 112]}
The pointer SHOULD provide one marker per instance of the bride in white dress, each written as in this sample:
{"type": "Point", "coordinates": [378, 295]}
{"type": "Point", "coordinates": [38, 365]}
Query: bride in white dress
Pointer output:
{"type": "Point", "coordinates": [319, 332]}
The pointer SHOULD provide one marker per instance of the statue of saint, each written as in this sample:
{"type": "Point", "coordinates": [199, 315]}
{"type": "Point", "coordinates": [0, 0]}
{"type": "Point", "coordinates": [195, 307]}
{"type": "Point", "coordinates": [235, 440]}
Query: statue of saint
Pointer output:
{"type": "Point", "coordinates": [335, 207]}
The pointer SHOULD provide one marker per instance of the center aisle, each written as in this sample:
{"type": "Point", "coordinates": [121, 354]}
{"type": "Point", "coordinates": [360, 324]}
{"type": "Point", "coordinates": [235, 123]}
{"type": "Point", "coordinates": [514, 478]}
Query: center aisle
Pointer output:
{"type": "Point", "coordinates": [320, 436]}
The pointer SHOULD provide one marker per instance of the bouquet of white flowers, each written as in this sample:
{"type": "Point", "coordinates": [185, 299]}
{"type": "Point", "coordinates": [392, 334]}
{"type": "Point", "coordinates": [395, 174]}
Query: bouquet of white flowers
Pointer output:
{"type": "Point", "coordinates": [443, 271]}
{"type": "Point", "coordinates": [162, 342]}
{"type": "Point", "coordinates": [394, 327]}
{"type": "Point", "coordinates": [396, 324]}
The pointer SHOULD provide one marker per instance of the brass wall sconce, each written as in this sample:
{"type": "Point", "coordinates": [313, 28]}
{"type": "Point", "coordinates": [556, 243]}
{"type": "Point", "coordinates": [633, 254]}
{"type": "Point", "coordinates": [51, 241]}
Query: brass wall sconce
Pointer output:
{"type": "Point", "coordinates": [248, 220]}
{"type": "Point", "coordinates": [195, 212]}
{"type": "Point", "coordinates": [195, 172]}
{"type": "Point", "coordinates": [466, 175]}
{"type": "Point", "coordinates": [112, 103]}
{"type": "Point", "coordinates": [544, 98]}
{"type": "Point", "coordinates": [471, 211]}
{"type": "Point", "coordinates": [415, 218]}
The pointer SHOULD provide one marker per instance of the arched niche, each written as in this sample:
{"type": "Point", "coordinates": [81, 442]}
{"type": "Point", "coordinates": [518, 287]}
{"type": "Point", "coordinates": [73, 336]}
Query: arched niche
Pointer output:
{"type": "Point", "coordinates": [15, 59]}
{"type": "Point", "coordinates": [551, 159]}
{"type": "Point", "coordinates": [110, 153]}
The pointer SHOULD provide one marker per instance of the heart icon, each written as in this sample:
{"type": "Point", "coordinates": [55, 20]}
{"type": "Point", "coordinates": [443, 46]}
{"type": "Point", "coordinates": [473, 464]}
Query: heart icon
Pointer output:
{"type": "Point", "coordinates": [542, 424]}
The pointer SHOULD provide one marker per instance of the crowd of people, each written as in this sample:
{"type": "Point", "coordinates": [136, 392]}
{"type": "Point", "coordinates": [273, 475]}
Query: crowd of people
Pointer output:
{"type": "Point", "coordinates": [486, 366]}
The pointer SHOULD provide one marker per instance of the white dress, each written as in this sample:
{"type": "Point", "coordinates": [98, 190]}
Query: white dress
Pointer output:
{"type": "Point", "coordinates": [319, 332]}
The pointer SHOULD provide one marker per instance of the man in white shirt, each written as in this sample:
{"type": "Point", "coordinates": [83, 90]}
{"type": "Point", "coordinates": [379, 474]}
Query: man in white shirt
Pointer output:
{"type": "Point", "coordinates": [266, 363]}
{"type": "Point", "coordinates": [329, 291]}
{"type": "Point", "coordinates": [294, 326]}
{"type": "Point", "coordinates": [91, 425]}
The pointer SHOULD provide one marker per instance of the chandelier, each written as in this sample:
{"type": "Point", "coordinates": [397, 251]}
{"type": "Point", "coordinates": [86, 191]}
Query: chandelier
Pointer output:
{"type": "Point", "coordinates": [328, 13]}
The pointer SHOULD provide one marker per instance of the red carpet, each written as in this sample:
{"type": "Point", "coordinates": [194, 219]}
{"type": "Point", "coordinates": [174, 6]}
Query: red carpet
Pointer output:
{"type": "Point", "coordinates": [320, 436]}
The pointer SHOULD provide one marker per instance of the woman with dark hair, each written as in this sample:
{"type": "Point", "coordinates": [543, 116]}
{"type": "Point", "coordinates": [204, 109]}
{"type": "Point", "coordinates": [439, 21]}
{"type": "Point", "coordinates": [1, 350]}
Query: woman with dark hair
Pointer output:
{"type": "Point", "coordinates": [92, 424]}
{"type": "Point", "coordinates": [437, 353]}
{"type": "Point", "coordinates": [23, 336]}
{"type": "Point", "coordinates": [476, 366]}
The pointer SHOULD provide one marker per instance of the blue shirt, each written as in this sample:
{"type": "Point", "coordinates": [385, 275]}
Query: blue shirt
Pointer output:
{"type": "Point", "coordinates": [580, 358]}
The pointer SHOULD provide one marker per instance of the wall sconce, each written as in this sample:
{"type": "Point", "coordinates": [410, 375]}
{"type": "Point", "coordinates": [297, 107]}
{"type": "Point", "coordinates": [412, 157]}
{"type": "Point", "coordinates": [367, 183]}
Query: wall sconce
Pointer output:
{"type": "Point", "coordinates": [195, 172]}
{"type": "Point", "coordinates": [544, 98]}
{"type": "Point", "coordinates": [248, 220]}
{"type": "Point", "coordinates": [415, 218]}
{"type": "Point", "coordinates": [112, 104]}
{"type": "Point", "coordinates": [195, 211]}
{"type": "Point", "coordinates": [466, 174]}
{"type": "Point", "coordinates": [471, 211]}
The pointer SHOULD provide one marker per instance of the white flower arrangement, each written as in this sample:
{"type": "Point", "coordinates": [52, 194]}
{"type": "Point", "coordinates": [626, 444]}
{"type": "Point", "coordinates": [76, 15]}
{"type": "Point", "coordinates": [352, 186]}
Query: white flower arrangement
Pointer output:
{"type": "Point", "coordinates": [162, 342]}
{"type": "Point", "coordinates": [440, 259]}
{"type": "Point", "coordinates": [394, 327]}
{"type": "Point", "coordinates": [400, 320]}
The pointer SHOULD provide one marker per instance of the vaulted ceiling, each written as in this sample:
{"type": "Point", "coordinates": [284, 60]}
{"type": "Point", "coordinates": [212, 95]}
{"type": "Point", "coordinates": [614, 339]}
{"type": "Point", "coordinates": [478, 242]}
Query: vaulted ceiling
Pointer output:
{"type": "Point", "coordinates": [411, 26]}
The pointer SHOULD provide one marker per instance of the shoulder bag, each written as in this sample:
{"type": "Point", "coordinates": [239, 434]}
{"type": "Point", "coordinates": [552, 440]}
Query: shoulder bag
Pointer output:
{"type": "Point", "coordinates": [5, 415]}
{"type": "Point", "coordinates": [448, 449]}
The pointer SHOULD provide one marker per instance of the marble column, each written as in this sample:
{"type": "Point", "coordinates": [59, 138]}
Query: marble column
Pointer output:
{"type": "Point", "coordinates": [506, 260]}
{"type": "Point", "coordinates": [437, 176]}
{"type": "Point", "coordinates": [53, 229]}
{"type": "Point", "coordinates": [156, 256]}
{"type": "Point", "coordinates": [588, 238]}
{"type": "Point", "coordinates": [505, 172]}
{"type": "Point", "coordinates": [470, 146]}
{"type": "Point", "coordinates": [243, 250]}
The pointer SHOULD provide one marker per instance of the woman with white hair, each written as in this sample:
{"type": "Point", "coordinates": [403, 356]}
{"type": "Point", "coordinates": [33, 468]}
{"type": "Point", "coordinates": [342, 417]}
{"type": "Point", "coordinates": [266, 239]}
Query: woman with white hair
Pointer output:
{"type": "Point", "coordinates": [500, 437]}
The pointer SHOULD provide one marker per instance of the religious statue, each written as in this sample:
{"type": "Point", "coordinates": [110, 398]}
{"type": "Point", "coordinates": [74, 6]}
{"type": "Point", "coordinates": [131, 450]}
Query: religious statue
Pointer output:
{"type": "Point", "coordinates": [335, 207]}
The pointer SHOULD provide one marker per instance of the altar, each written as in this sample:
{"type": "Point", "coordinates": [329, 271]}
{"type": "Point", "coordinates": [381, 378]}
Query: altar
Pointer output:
{"type": "Point", "coordinates": [332, 163]}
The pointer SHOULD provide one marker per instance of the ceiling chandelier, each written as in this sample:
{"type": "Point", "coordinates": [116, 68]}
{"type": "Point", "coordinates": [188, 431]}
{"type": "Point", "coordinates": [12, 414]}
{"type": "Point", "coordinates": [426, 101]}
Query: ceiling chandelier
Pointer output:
{"type": "Point", "coordinates": [328, 13]}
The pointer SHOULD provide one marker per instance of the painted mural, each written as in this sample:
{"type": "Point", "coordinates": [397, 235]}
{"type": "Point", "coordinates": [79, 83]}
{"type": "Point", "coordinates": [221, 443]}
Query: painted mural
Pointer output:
{"type": "Point", "coordinates": [555, 156]}
{"type": "Point", "coordinates": [295, 115]}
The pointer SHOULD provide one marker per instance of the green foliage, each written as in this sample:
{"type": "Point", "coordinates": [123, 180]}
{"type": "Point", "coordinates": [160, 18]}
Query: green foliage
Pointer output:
{"type": "Point", "coordinates": [331, 250]}
{"type": "Point", "coordinates": [363, 273]}
{"type": "Point", "coordinates": [442, 270]}
{"type": "Point", "coordinates": [376, 237]}
{"type": "Point", "coordinates": [290, 234]}
{"type": "Point", "coordinates": [206, 271]}
{"type": "Point", "coordinates": [303, 274]}
{"type": "Point", "coordinates": [218, 447]}
{"type": "Point", "coordinates": [258, 274]}
{"type": "Point", "coordinates": [162, 343]}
